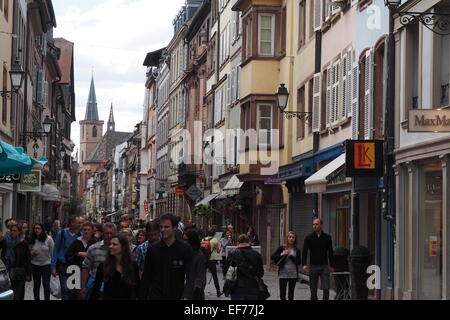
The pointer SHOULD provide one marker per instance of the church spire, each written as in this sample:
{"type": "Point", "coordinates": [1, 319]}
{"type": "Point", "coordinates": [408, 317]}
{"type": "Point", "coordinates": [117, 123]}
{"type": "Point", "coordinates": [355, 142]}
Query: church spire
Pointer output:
{"type": "Point", "coordinates": [91, 106]}
{"type": "Point", "coordinates": [111, 123]}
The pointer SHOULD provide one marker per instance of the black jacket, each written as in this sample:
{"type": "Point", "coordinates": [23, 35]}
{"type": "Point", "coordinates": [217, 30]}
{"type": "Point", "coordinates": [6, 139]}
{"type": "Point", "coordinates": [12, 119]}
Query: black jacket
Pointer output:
{"type": "Point", "coordinates": [249, 264]}
{"type": "Point", "coordinates": [116, 288]}
{"type": "Point", "coordinates": [320, 248]}
{"type": "Point", "coordinates": [22, 254]}
{"type": "Point", "coordinates": [281, 260]}
{"type": "Point", "coordinates": [167, 272]}
{"type": "Point", "coordinates": [72, 257]}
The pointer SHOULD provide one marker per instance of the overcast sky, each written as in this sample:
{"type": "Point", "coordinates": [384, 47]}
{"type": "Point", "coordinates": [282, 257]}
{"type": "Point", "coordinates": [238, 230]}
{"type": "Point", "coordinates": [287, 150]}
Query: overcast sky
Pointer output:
{"type": "Point", "coordinates": [112, 38]}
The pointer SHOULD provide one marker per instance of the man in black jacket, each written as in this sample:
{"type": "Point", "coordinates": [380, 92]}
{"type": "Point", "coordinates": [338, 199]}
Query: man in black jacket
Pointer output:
{"type": "Point", "coordinates": [320, 247]}
{"type": "Point", "coordinates": [167, 266]}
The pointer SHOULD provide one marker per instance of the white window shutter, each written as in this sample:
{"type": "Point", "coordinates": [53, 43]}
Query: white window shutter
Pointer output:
{"type": "Point", "coordinates": [368, 96]}
{"type": "Point", "coordinates": [316, 103]}
{"type": "Point", "coordinates": [335, 93]}
{"type": "Point", "coordinates": [228, 99]}
{"type": "Point", "coordinates": [318, 18]}
{"type": "Point", "coordinates": [355, 100]}
{"type": "Point", "coordinates": [238, 83]}
{"type": "Point", "coordinates": [348, 100]}
{"type": "Point", "coordinates": [329, 102]}
{"type": "Point", "coordinates": [343, 88]}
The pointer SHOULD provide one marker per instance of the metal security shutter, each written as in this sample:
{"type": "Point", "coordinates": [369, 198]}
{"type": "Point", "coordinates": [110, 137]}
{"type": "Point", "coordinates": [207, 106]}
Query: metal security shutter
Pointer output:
{"type": "Point", "coordinates": [302, 215]}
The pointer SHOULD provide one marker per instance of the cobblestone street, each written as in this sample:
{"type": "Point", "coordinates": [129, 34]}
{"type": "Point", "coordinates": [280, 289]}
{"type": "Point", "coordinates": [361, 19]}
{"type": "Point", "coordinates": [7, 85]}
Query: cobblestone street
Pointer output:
{"type": "Point", "coordinates": [270, 278]}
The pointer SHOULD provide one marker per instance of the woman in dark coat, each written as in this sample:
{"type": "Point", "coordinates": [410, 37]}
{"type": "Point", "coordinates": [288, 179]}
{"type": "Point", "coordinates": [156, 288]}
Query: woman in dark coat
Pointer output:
{"type": "Point", "coordinates": [288, 258]}
{"type": "Point", "coordinates": [198, 268]}
{"type": "Point", "coordinates": [249, 265]}
{"type": "Point", "coordinates": [118, 275]}
{"type": "Point", "coordinates": [17, 258]}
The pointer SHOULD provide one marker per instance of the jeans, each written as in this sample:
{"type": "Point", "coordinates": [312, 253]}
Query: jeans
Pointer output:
{"type": "Point", "coordinates": [61, 270]}
{"type": "Point", "coordinates": [244, 294]}
{"type": "Point", "coordinates": [211, 266]}
{"type": "Point", "coordinates": [283, 284]}
{"type": "Point", "coordinates": [44, 273]}
{"type": "Point", "coordinates": [18, 287]}
{"type": "Point", "coordinates": [324, 273]}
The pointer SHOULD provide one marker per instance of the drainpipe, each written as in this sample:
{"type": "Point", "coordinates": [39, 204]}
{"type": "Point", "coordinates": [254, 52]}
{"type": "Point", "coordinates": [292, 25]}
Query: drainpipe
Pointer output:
{"type": "Point", "coordinates": [316, 137]}
{"type": "Point", "coordinates": [388, 202]}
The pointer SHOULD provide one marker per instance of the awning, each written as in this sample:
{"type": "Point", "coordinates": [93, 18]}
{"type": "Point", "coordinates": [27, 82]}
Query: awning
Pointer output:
{"type": "Point", "coordinates": [318, 181]}
{"type": "Point", "coordinates": [233, 185]}
{"type": "Point", "coordinates": [14, 161]}
{"type": "Point", "coordinates": [50, 193]}
{"type": "Point", "coordinates": [206, 200]}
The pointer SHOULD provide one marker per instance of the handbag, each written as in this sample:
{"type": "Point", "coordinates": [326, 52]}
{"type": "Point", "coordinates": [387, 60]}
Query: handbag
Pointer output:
{"type": "Point", "coordinates": [263, 291]}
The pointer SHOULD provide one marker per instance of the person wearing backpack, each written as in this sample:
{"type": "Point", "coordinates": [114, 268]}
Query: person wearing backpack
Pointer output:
{"type": "Point", "coordinates": [63, 241]}
{"type": "Point", "coordinates": [249, 266]}
{"type": "Point", "coordinates": [211, 244]}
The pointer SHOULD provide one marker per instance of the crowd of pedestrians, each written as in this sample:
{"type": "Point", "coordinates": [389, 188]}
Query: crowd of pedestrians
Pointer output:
{"type": "Point", "coordinates": [158, 260]}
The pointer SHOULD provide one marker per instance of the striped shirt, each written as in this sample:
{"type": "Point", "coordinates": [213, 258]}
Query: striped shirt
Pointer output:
{"type": "Point", "coordinates": [96, 254]}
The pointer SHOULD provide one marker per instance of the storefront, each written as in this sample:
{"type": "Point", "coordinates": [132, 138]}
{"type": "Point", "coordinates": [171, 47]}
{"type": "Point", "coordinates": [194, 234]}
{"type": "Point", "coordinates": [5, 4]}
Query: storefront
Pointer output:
{"type": "Point", "coordinates": [5, 204]}
{"type": "Point", "coordinates": [422, 251]}
{"type": "Point", "coordinates": [302, 208]}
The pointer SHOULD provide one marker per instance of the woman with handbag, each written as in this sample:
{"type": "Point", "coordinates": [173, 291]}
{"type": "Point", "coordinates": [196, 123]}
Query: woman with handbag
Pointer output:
{"type": "Point", "coordinates": [198, 264]}
{"type": "Point", "coordinates": [41, 246]}
{"type": "Point", "coordinates": [16, 256]}
{"type": "Point", "coordinates": [288, 258]}
{"type": "Point", "coordinates": [249, 267]}
{"type": "Point", "coordinates": [118, 275]}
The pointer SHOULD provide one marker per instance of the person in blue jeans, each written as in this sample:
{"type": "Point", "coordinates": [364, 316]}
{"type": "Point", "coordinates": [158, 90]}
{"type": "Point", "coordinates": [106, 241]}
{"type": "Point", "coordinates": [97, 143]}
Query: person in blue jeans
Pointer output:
{"type": "Point", "coordinates": [63, 241]}
{"type": "Point", "coordinates": [319, 245]}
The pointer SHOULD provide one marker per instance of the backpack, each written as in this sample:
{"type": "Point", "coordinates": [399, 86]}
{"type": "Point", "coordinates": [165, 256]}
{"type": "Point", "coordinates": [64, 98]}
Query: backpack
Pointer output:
{"type": "Point", "coordinates": [207, 245]}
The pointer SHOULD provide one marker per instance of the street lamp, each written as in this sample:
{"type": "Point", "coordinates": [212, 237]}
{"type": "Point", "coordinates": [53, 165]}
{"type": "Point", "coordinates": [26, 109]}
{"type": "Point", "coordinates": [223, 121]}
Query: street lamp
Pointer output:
{"type": "Point", "coordinates": [282, 100]}
{"type": "Point", "coordinates": [36, 134]}
{"type": "Point", "coordinates": [47, 125]}
{"type": "Point", "coordinates": [282, 97]}
{"type": "Point", "coordinates": [62, 152]}
{"type": "Point", "coordinates": [17, 75]}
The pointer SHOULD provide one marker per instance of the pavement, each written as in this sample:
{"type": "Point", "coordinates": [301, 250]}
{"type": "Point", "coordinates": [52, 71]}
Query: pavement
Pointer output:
{"type": "Point", "coordinates": [270, 278]}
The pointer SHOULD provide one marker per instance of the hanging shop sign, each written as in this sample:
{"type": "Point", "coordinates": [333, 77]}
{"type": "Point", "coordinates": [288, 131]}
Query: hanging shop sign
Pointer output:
{"type": "Point", "coordinates": [194, 193]}
{"type": "Point", "coordinates": [430, 120]}
{"type": "Point", "coordinates": [145, 205]}
{"type": "Point", "coordinates": [179, 191]}
{"type": "Point", "coordinates": [364, 158]}
{"type": "Point", "coordinates": [273, 181]}
{"type": "Point", "coordinates": [12, 178]}
{"type": "Point", "coordinates": [30, 182]}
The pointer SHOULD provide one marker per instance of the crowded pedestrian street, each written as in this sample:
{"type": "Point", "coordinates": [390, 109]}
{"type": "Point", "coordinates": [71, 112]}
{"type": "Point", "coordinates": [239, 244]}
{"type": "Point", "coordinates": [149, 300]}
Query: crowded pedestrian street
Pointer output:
{"type": "Point", "coordinates": [224, 150]}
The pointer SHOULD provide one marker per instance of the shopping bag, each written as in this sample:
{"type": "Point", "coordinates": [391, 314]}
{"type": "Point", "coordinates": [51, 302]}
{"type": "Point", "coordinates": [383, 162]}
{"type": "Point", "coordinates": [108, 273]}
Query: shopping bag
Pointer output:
{"type": "Point", "coordinates": [55, 287]}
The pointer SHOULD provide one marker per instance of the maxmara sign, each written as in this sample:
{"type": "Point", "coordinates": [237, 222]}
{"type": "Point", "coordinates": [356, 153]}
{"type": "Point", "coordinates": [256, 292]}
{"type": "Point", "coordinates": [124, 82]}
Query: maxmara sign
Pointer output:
{"type": "Point", "coordinates": [434, 120]}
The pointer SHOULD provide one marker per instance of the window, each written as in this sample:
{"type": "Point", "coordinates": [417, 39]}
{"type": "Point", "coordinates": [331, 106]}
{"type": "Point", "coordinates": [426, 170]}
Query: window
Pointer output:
{"type": "Point", "coordinates": [414, 34]}
{"type": "Point", "coordinates": [266, 43]}
{"type": "Point", "coordinates": [301, 108]}
{"type": "Point", "coordinates": [302, 24]}
{"type": "Point", "coordinates": [236, 25]}
{"type": "Point", "coordinates": [264, 123]}
{"type": "Point", "coordinates": [94, 132]}
{"type": "Point", "coordinates": [310, 103]}
{"type": "Point", "coordinates": [444, 68]}
{"type": "Point", "coordinates": [283, 30]}
{"type": "Point", "coordinates": [248, 39]}
{"type": "Point", "coordinates": [6, 9]}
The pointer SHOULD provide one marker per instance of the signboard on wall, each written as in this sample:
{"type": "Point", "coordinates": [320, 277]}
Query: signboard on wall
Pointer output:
{"type": "Point", "coordinates": [30, 182]}
{"type": "Point", "coordinates": [429, 120]}
{"type": "Point", "coordinates": [364, 158]}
